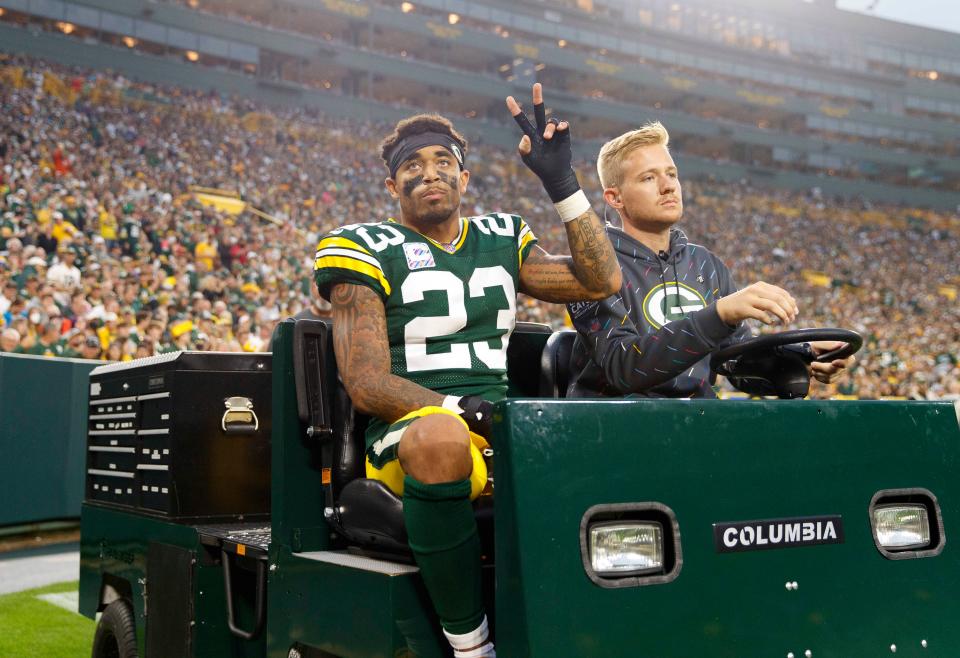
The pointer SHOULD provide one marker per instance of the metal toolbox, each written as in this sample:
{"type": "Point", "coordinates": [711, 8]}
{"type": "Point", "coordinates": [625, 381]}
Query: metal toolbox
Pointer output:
{"type": "Point", "coordinates": [184, 435]}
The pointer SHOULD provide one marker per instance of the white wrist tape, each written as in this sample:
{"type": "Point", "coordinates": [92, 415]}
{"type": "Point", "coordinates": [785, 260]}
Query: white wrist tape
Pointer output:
{"type": "Point", "coordinates": [452, 403]}
{"type": "Point", "coordinates": [573, 206]}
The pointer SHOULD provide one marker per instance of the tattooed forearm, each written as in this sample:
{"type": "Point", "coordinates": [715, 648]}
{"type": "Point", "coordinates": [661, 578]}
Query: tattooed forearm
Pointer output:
{"type": "Point", "coordinates": [592, 272]}
{"type": "Point", "coordinates": [362, 348]}
{"type": "Point", "coordinates": [552, 279]}
{"type": "Point", "coordinates": [594, 260]}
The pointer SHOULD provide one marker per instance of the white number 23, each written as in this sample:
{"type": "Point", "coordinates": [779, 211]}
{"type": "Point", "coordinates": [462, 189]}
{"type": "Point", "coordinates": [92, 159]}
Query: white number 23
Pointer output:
{"type": "Point", "coordinates": [420, 329]}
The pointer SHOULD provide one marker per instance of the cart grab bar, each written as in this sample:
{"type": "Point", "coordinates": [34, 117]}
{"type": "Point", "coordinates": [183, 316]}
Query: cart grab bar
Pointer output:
{"type": "Point", "coordinates": [260, 610]}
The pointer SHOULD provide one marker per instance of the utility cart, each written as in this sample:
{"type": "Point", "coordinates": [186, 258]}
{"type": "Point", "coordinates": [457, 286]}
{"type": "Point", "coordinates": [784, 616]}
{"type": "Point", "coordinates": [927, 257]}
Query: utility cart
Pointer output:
{"type": "Point", "coordinates": [227, 514]}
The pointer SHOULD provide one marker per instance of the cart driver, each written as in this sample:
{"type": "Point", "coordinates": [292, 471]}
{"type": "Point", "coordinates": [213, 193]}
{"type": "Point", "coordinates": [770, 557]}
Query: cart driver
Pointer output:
{"type": "Point", "coordinates": [678, 302]}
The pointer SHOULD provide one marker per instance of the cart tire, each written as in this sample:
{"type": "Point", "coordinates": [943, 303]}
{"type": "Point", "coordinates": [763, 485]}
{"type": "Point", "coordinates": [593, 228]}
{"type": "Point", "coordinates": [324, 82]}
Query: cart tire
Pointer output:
{"type": "Point", "coordinates": [116, 634]}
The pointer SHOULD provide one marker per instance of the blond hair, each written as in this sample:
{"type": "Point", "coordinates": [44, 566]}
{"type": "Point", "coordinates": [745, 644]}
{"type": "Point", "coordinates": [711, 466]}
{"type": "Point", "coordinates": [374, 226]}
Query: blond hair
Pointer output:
{"type": "Point", "coordinates": [617, 149]}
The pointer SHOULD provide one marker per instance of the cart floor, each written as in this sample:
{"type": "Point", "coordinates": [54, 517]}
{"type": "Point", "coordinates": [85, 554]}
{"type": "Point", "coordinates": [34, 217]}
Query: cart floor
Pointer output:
{"type": "Point", "coordinates": [251, 539]}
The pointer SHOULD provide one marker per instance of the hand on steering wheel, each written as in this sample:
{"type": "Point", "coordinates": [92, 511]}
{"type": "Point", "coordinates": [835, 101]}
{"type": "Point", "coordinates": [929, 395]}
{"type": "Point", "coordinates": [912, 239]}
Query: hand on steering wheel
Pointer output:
{"type": "Point", "coordinates": [824, 371]}
{"type": "Point", "coordinates": [784, 361]}
{"type": "Point", "coordinates": [761, 301]}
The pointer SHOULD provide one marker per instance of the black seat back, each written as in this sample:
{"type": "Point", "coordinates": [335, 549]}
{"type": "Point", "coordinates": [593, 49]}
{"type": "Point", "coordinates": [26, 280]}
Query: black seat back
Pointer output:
{"type": "Point", "coordinates": [325, 408]}
{"type": "Point", "coordinates": [311, 359]}
{"type": "Point", "coordinates": [555, 368]}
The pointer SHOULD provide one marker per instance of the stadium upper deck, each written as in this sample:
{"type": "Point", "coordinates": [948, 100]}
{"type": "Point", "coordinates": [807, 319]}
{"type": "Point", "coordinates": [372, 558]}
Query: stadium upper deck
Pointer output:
{"type": "Point", "coordinates": [769, 87]}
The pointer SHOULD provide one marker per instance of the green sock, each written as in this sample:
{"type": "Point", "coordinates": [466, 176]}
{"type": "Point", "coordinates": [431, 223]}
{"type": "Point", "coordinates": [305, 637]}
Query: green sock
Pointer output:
{"type": "Point", "coordinates": [443, 535]}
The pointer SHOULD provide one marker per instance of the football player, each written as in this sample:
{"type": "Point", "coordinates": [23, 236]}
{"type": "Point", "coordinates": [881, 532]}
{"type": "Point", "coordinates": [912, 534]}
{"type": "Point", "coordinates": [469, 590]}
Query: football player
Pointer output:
{"type": "Point", "coordinates": [423, 309]}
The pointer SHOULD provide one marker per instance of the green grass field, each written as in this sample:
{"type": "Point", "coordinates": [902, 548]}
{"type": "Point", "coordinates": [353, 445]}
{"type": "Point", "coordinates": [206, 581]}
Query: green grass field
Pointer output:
{"type": "Point", "coordinates": [30, 626]}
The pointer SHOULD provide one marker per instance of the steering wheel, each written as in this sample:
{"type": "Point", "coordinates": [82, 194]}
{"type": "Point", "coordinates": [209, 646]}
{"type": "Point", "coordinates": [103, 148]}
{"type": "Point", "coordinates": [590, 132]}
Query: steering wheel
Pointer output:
{"type": "Point", "coordinates": [777, 363]}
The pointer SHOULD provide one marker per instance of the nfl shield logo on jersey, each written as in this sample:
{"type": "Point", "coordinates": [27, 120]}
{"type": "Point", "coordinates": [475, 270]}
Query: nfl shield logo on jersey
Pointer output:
{"type": "Point", "coordinates": [418, 255]}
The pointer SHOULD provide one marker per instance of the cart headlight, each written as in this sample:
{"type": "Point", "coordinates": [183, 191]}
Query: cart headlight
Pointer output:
{"type": "Point", "coordinates": [902, 527]}
{"type": "Point", "coordinates": [626, 548]}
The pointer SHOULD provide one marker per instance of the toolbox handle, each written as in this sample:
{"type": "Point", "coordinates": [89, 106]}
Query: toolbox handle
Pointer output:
{"type": "Point", "coordinates": [260, 611]}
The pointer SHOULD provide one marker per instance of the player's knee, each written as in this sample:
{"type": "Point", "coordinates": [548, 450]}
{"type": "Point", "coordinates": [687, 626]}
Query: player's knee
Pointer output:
{"type": "Point", "coordinates": [435, 449]}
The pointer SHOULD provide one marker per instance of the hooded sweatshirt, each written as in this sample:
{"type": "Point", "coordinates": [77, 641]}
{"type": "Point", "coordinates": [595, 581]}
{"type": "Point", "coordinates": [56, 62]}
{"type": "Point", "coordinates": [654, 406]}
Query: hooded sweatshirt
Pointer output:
{"type": "Point", "coordinates": [654, 338]}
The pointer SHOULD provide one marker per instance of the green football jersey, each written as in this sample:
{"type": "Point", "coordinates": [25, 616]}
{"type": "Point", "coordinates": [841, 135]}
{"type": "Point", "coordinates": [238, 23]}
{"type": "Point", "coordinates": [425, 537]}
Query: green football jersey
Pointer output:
{"type": "Point", "coordinates": [449, 313]}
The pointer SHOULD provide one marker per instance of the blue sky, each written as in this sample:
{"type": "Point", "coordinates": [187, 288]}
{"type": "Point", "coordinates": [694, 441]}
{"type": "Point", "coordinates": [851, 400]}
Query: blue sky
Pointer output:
{"type": "Point", "coordinates": [940, 14]}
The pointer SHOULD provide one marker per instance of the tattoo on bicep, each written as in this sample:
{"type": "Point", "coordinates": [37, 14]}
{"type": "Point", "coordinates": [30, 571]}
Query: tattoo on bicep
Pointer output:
{"type": "Point", "coordinates": [359, 321]}
{"type": "Point", "coordinates": [343, 299]}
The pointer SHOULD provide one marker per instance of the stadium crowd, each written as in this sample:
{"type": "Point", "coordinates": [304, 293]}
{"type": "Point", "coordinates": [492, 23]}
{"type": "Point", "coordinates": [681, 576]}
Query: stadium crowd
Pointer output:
{"type": "Point", "coordinates": [108, 250]}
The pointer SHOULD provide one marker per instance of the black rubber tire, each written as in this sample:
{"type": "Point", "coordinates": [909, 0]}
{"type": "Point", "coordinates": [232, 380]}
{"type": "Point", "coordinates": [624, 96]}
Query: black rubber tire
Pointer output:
{"type": "Point", "coordinates": [116, 634]}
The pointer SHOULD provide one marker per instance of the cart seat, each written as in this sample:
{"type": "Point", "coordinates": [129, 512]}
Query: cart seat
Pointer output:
{"type": "Point", "coordinates": [555, 364]}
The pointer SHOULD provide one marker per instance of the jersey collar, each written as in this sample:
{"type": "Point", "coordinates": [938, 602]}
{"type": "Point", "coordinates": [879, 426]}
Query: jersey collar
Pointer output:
{"type": "Point", "coordinates": [454, 247]}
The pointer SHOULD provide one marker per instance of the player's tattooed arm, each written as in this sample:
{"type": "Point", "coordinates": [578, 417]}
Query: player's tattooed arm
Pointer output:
{"type": "Point", "coordinates": [362, 348]}
{"type": "Point", "coordinates": [590, 272]}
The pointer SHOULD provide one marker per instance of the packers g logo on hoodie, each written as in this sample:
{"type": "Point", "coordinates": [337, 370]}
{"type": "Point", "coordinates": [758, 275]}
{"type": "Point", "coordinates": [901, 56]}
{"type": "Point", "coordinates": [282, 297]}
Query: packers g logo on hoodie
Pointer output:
{"type": "Point", "coordinates": [671, 301]}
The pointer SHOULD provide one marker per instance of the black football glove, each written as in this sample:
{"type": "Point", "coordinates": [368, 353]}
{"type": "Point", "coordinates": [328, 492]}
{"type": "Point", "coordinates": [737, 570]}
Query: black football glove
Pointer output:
{"type": "Point", "coordinates": [549, 159]}
{"type": "Point", "coordinates": [478, 413]}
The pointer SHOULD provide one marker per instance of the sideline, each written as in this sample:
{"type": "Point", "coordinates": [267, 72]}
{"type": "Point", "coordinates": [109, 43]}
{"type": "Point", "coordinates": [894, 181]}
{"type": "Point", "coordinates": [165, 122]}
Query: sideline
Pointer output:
{"type": "Point", "coordinates": [36, 568]}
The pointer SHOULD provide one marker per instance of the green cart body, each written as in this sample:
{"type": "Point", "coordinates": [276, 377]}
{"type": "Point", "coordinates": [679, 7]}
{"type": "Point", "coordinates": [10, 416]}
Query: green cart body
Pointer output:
{"type": "Point", "coordinates": [716, 474]}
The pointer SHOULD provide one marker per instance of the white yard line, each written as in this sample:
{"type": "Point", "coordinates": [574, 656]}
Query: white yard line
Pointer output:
{"type": "Point", "coordinates": [69, 601]}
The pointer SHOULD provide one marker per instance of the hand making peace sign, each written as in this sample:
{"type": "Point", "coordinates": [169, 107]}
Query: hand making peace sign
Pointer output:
{"type": "Point", "coordinates": [545, 148]}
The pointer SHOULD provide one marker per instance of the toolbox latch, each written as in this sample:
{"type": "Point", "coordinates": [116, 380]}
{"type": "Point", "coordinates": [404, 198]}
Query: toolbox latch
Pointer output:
{"type": "Point", "coordinates": [239, 418]}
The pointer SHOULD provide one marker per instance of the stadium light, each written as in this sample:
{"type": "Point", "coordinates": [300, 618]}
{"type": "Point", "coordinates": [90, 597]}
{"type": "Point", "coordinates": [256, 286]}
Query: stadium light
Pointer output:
{"type": "Point", "coordinates": [192, 55]}
{"type": "Point", "coordinates": [129, 42]}
{"type": "Point", "coordinates": [2, 11]}
{"type": "Point", "coordinates": [66, 28]}
{"type": "Point", "coordinates": [933, 75]}
{"type": "Point", "coordinates": [562, 43]}
{"type": "Point", "coordinates": [453, 19]}
{"type": "Point", "coordinates": [406, 7]}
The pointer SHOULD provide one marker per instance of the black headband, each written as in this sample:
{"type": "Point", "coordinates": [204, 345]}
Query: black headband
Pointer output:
{"type": "Point", "coordinates": [408, 146]}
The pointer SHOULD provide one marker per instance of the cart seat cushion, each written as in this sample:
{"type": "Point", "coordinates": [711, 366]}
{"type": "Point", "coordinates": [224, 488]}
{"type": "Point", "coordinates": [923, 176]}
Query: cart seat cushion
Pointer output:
{"type": "Point", "coordinates": [372, 515]}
